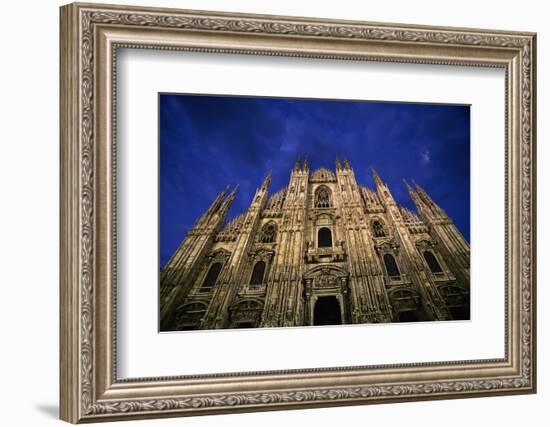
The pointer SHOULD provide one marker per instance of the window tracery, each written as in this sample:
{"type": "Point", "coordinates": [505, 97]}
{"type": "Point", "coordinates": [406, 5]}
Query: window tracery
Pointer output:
{"type": "Point", "coordinates": [269, 233]}
{"type": "Point", "coordinates": [322, 199]}
{"type": "Point", "coordinates": [378, 229]}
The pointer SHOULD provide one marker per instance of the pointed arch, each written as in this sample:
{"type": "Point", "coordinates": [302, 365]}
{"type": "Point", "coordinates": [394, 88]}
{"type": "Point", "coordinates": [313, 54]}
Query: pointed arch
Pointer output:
{"type": "Point", "coordinates": [212, 275]}
{"type": "Point", "coordinates": [378, 228]}
{"type": "Point", "coordinates": [269, 233]}
{"type": "Point", "coordinates": [258, 273]}
{"type": "Point", "coordinates": [323, 198]}
{"type": "Point", "coordinates": [432, 262]}
{"type": "Point", "coordinates": [391, 265]}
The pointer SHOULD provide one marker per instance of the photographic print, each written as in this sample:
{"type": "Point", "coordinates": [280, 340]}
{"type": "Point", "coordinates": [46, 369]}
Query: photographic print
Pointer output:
{"type": "Point", "coordinates": [284, 212]}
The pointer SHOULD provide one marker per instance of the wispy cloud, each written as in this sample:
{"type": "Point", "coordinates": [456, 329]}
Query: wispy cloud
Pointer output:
{"type": "Point", "coordinates": [425, 158]}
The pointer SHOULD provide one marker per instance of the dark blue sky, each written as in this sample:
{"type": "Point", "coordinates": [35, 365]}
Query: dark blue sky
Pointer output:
{"type": "Point", "coordinates": [208, 142]}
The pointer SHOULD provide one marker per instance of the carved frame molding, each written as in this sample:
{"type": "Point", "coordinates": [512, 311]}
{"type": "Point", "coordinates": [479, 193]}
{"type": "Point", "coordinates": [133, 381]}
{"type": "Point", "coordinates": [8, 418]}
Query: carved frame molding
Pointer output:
{"type": "Point", "coordinates": [90, 36]}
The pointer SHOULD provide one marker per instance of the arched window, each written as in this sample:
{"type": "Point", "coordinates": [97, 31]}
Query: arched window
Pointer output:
{"type": "Point", "coordinates": [391, 265]}
{"type": "Point", "coordinates": [324, 238]}
{"type": "Point", "coordinates": [323, 198]}
{"type": "Point", "coordinates": [378, 229]}
{"type": "Point", "coordinates": [432, 262]}
{"type": "Point", "coordinates": [258, 273]}
{"type": "Point", "coordinates": [268, 234]}
{"type": "Point", "coordinates": [212, 275]}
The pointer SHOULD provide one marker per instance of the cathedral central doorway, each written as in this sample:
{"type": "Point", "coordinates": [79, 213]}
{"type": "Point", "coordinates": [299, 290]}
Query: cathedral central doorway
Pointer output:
{"type": "Point", "coordinates": [327, 311]}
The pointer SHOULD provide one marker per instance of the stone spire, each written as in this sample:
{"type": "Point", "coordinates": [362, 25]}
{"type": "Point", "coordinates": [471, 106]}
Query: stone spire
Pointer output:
{"type": "Point", "coordinates": [214, 207]}
{"type": "Point", "coordinates": [306, 165]}
{"type": "Point", "coordinates": [227, 202]}
{"type": "Point", "coordinates": [297, 165]}
{"type": "Point", "coordinates": [346, 164]}
{"type": "Point", "coordinates": [434, 207]}
{"type": "Point", "coordinates": [338, 165]}
{"type": "Point", "coordinates": [415, 197]}
{"type": "Point", "coordinates": [267, 181]}
{"type": "Point", "coordinates": [383, 191]}
{"type": "Point", "coordinates": [378, 181]}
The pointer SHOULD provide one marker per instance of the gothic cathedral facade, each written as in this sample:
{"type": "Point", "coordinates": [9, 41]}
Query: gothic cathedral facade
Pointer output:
{"type": "Point", "coordinates": [322, 251]}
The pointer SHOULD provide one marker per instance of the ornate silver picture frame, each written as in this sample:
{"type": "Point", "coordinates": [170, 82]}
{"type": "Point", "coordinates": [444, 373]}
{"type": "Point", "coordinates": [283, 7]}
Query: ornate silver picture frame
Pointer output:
{"type": "Point", "coordinates": [91, 37]}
